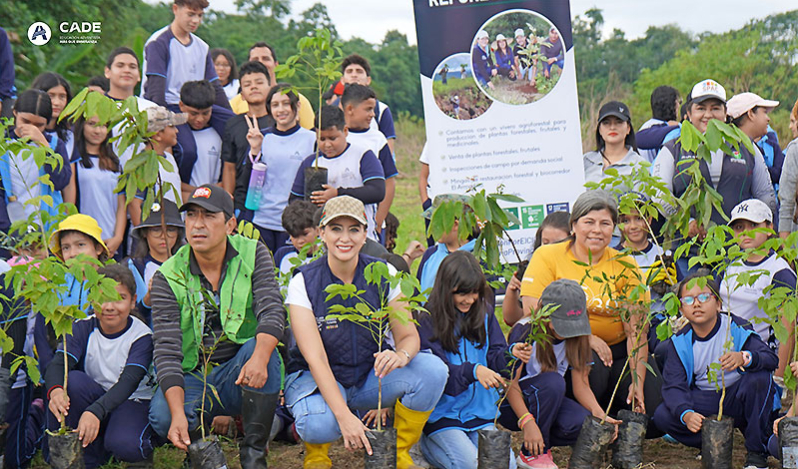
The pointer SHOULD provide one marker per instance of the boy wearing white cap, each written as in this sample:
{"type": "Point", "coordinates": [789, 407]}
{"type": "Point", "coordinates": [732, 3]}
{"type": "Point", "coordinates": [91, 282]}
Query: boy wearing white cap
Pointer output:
{"type": "Point", "coordinates": [751, 113]}
{"type": "Point", "coordinates": [750, 219]}
{"type": "Point", "coordinates": [737, 177]}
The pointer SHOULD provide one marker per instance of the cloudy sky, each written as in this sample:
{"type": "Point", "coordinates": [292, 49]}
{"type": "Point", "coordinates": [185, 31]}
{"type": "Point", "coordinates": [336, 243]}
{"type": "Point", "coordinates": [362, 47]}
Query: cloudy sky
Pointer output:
{"type": "Point", "coordinates": [371, 19]}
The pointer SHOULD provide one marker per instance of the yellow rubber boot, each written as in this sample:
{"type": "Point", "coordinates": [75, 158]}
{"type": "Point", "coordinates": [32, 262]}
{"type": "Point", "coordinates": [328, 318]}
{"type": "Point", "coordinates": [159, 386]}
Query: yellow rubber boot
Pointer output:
{"type": "Point", "coordinates": [408, 424]}
{"type": "Point", "coordinates": [317, 457]}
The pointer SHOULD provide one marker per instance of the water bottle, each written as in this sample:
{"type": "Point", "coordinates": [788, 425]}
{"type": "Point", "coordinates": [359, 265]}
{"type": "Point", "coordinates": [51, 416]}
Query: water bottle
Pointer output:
{"type": "Point", "coordinates": [255, 190]}
{"type": "Point", "coordinates": [15, 209]}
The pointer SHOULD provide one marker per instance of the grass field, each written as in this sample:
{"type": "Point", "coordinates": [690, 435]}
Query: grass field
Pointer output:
{"type": "Point", "coordinates": [407, 207]}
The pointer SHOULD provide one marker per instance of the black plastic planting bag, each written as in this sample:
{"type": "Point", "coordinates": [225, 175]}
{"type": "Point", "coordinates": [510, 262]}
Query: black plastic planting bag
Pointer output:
{"type": "Point", "coordinates": [592, 443]}
{"type": "Point", "coordinates": [383, 449]}
{"type": "Point", "coordinates": [628, 452]}
{"type": "Point", "coordinates": [788, 442]}
{"type": "Point", "coordinates": [315, 178]}
{"type": "Point", "coordinates": [494, 449]}
{"type": "Point", "coordinates": [66, 451]}
{"type": "Point", "coordinates": [717, 444]}
{"type": "Point", "coordinates": [206, 454]}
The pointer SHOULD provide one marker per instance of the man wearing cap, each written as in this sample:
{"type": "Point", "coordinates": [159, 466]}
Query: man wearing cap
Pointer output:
{"type": "Point", "coordinates": [736, 177]}
{"type": "Point", "coordinates": [751, 113]}
{"type": "Point", "coordinates": [552, 49]}
{"type": "Point", "coordinates": [164, 123]}
{"type": "Point", "coordinates": [482, 60]}
{"type": "Point", "coordinates": [220, 285]}
{"type": "Point", "coordinates": [522, 61]}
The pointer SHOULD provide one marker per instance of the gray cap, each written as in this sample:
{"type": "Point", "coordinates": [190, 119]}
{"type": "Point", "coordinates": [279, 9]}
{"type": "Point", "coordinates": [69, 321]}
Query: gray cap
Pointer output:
{"type": "Point", "coordinates": [570, 319]}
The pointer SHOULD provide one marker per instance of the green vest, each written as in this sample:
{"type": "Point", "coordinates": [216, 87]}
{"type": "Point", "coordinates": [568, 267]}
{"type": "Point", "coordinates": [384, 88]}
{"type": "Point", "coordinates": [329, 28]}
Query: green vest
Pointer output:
{"type": "Point", "coordinates": [235, 298]}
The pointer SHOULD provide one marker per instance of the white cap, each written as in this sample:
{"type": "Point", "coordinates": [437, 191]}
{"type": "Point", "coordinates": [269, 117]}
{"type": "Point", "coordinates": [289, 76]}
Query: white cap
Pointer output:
{"type": "Point", "coordinates": [519, 32]}
{"type": "Point", "coordinates": [753, 210]}
{"type": "Point", "coordinates": [707, 89]}
{"type": "Point", "coordinates": [500, 37]}
{"type": "Point", "coordinates": [482, 34]}
{"type": "Point", "coordinates": [741, 103]}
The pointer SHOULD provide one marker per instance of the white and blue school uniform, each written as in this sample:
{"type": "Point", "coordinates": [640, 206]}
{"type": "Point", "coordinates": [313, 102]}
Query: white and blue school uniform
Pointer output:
{"type": "Point", "coordinates": [143, 270]}
{"type": "Point", "coordinates": [167, 57]}
{"type": "Point", "coordinates": [350, 170]}
{"type": "Point", "coordinates": [450, 435]}
{"type": "Point", "coordinates": [375, 141]}
{"type": "Point", "coordinates": [383, 120]}
{"type": "Point", "coordinates": [231, 89]}
{"type": "Point", "coordinates": [431, 261]}
{"type": "Point", "coordinates": [283, 153]}
{"type": "Point", "coordinates": [559, 418]}
{"type": "Point", "coordinates": [200, 155]}
{"type": "Point", "coordinates": [95, 193]}
{"type": "Point", "coordinates": [110, 376]}
{"type": "Point", "coordinates": [751, 394]}
{"type": "Point", "coordinates": [743, 299]}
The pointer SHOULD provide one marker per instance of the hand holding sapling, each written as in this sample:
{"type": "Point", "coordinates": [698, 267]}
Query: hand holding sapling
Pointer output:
{"type": "Point", "coordinates": [371, 417]}
{"type": "Point", "coordinates": [522, 352]}
{"type": "Point", "coordinates": [321, 197]}
{"type": "Point", "coordinates": [59, 403]}
{"type": "Point", "coordinates": [387, 361]}
{"type": "Point", "coordinates": [732, 360]}
{"type": "Point", "coordinates": [636, 395]}
{"type": "Point", "coordinates": [694, 421]}
{"type": "Point", "coordinates": [88, 428]}
{"type": "Point", "coordinates": [488, 378]}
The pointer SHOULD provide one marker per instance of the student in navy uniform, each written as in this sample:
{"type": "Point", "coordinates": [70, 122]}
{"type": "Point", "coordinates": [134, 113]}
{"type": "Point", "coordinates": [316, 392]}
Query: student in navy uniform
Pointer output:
{"type": "Point", "coordinates": [356, 69]}
{"type": "Point", "coordinates": [359, 103]}
{"type": "Point", "coordinates": [323, 388]}
{"type": "Point", "coordinates": [482, 60]}
{"type": "Point", "coordinates": [300, 222]}
{"type": "Point", "coordinates": [57, 88]}
{"type": "Point", "coordinates": [8, 92]}
{"type": "Point", "coordinates": [736, 178]}
{"type": "Point", "coordinates": [283, 149]}
{"type": "Point", "coordinates": [461, 329]}
{"type": "Point", "coordinates": [536, 399]}
{"type": "Point", "coordinates": [225, 65]}
{"type": "Point", "coordinates": [174, 55]}
{"type": "Point", "coordinates": [665, 102]}
{"type": "Point", "coordinates": [95, 173]}
{"type": "Point", "coordinates": [688, 397]}
{"type": "Point", "coordinates": [109, 356]}
{"type": "Point", "coordinates": [19, 178]}
{"type": "Point", "coordinates": [236, 167]}
{"type": "Point", "coordinates": [199, 141]}
{"type": "Point", "coordinates": [154, 247]}
{"type": "Point", "coordinates": [615, 143]}
{"type": "Point", "coordinates": [352, 170]}
{"type": "Point", "coordinates": [751, 113]}
{"type": "Point", "coordinates": [768, 270]}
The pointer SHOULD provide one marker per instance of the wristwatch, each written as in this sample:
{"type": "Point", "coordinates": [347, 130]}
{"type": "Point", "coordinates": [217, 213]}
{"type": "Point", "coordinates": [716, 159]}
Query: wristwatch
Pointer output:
{"type": "Point", "coordinates": [746, 358]}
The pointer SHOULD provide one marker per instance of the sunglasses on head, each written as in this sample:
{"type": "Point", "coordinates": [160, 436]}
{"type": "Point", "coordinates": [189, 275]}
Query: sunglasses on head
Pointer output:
{"type": "Point", "coordinates": [701, 298]}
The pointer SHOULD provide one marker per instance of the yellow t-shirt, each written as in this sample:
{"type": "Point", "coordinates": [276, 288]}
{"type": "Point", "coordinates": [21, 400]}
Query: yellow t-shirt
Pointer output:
{"type": "Point", "coordinates": [556, 261]}
{"type": "Point", "coordinates": [307, 118]}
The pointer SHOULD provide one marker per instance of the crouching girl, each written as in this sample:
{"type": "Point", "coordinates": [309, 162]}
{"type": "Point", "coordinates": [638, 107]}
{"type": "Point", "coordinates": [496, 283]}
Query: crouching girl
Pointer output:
{"type": "Point", "coordinates": [335, 364]}
{"type": "Point", "coordinates": [536, 401]}
{"type": "Point", "coordinates": [462, 330]}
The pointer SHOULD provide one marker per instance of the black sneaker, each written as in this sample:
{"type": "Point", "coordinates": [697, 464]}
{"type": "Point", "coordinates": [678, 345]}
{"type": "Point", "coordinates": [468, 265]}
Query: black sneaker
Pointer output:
{"type": "Point", "coordinates": [756, 460]}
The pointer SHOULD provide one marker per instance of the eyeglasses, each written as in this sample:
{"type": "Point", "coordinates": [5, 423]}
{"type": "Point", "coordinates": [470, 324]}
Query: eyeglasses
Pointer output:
{"type": "Point", "coordinates": [222, 65]}
{"type": "Point", "coordinates": [158, 231]}
{"type": "Point", "coordinates": [702, 298]}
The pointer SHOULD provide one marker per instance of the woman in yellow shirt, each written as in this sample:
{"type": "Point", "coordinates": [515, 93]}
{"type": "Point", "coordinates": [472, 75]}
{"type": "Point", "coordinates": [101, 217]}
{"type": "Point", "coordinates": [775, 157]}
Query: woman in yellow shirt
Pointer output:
{"type": "Point", "coordinates": [607, 277]}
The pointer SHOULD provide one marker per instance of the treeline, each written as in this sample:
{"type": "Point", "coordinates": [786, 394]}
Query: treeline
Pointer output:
{"type": "Point", "coordinates": [758, 57]}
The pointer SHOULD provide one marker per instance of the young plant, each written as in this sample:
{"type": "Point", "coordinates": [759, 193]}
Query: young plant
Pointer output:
{"type": "Point", "coordinates": [376, 318]}
{"type": "Point", "coordinates": [318, 60]}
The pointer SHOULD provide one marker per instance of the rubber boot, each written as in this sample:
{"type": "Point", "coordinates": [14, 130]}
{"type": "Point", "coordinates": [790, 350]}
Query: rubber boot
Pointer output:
{"type": "Point", "coordinates": [317, 457]}
{"type": "Point", "coordinates": [257, 412]}
{"type": "Point", "coordinates": [408, 424]}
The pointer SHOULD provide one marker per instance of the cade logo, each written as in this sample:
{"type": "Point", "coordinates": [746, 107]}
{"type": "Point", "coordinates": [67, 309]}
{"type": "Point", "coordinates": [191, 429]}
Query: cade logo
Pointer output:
{"type": "Point", "coordinates": [39, 33]}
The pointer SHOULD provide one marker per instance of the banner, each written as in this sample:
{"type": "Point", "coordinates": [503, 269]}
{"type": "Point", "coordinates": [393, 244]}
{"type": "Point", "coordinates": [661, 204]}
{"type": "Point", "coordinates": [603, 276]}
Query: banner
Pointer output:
{"type": "Point", "coordinates": [500, 103]}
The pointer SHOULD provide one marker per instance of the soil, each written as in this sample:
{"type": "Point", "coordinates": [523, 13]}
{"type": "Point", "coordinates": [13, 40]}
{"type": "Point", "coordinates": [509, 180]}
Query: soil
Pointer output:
{"type": "Point", "coordinates": [472, 103]}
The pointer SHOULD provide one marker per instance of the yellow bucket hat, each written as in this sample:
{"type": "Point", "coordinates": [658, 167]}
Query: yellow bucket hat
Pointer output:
{"type": "Point", "coordinates": [78, 222]}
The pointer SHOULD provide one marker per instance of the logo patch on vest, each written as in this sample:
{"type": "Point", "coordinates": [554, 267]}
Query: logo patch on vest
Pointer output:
{"type": "Point", "coordinates": [326, 324]}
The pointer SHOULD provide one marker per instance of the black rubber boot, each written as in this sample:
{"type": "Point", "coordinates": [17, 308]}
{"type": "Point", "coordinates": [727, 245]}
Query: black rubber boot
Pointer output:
{"type": "Point", "coordinates": [257, 411]}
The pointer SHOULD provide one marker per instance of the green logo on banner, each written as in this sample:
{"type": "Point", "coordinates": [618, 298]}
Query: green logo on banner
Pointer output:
{"type": "Point", "coordinates": [514, 211]}
{"type": "Point", "coordinates": [532, 216]}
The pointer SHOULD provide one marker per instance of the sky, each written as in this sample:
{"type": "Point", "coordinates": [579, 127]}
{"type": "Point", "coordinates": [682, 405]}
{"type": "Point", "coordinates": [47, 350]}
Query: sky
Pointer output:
{"type": "Point", "coordinates": [371, 19]}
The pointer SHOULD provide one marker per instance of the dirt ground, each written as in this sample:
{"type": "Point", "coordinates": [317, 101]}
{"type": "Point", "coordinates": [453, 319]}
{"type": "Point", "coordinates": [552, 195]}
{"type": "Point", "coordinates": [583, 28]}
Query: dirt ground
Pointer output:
{"type": "Point", "coordinates": [472, 103]}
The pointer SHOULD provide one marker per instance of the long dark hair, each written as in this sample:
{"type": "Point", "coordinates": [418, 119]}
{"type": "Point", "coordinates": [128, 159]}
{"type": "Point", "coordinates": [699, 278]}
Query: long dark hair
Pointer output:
{"type": "Point", "coordinates": [47, 81]}
{"type": "Point", "coordinates": [577, 352]}
{"type": "Point", "coordinates": [630, 140]}
{"type": "Point", "coordinates": [230, 59]}
{"type": "Point", "coordinates": [143, 246]}
{"type": "Point", "coordinates": [458, 273]}
{"type": "Point", "coordinates": [108, 159]}
{"type": "Point", "coordinates": [36, 102]}
{"type": "Point", "coordinates": [558, 220]}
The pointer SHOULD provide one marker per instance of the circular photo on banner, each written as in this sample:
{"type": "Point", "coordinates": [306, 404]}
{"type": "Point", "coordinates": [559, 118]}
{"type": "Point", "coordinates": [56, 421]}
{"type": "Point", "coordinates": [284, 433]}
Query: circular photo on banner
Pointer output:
{"type": "Point", "coordinates": [517, 57]}
{"type": "Point", "coordinates": [454, 89]}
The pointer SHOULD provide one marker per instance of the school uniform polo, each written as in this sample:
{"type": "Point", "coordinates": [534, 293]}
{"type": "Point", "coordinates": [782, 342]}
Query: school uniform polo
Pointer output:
{"type": "Point", "coordinates": [95, 193]}
{"type": "Point", "coordinates": [375, 141]}
{"type": "Point", "coordinates": [383, 120]}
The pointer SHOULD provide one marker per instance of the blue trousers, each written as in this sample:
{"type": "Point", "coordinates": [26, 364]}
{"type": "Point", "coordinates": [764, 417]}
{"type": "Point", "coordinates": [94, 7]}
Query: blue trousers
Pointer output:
{"type": "Point", "coordinates": [125, 433]}
{"type": "Point", "coordinates": [558, 417]}
{"type": "Point", "coordinates": [25, 427]}
{"type": "Point", "coordinates": [223, 378]}
{"type": "Point", "coordinates": [419, 386]}
{"type": "Point", "coordinates": [749, 401]}
{"type": "Point", "coordinates": [454, 449]}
